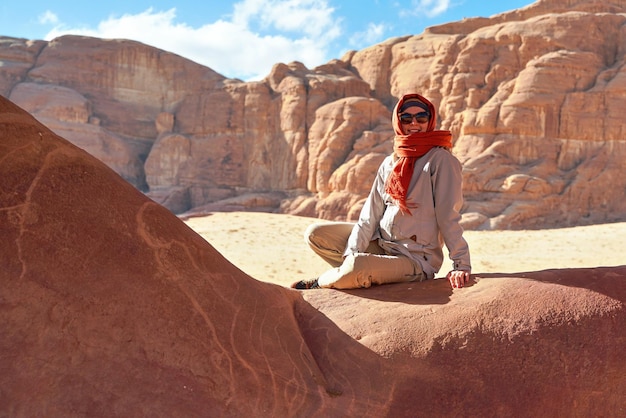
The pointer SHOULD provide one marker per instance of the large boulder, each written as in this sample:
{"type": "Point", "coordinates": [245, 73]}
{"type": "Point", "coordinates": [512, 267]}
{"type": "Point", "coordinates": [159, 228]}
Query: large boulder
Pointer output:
{"type": "Point", "coordinates": [111, 306]}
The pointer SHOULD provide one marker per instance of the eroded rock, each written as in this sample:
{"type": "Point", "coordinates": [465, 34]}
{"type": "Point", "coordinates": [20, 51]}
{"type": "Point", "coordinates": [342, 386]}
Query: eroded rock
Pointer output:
{"type": "Point", "coordinates": [533, 93]}
{"type": "Point", "coordinates": [111, 306]}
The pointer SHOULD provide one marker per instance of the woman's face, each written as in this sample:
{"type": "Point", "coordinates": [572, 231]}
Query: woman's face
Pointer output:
{"type": "Point", "coordinates": [413, 119]}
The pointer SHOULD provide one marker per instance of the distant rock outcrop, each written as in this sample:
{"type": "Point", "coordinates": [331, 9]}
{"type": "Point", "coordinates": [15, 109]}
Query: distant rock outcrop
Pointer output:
{"type": "Point", "coordinates": [534, 98]}
{"type": "Point", "coordinates": [111, 306]}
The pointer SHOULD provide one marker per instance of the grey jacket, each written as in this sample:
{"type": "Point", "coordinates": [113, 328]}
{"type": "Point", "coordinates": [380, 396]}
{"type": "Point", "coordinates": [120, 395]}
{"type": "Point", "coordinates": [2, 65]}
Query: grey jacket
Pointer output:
{"type": "Point", "coordinates": [435, 198]}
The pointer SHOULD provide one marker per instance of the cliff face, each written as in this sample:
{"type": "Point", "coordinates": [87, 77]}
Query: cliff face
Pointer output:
{"type": "Point", "coordinates": [534, 98]}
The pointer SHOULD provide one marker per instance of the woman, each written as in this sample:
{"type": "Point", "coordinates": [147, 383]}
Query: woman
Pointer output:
{"type": "Point", "coordinates": [412, 209]}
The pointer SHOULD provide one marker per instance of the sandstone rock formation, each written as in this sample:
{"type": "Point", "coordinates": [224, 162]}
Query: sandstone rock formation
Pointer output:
{"type": "Point", "coordinates": [111, 306]}
{"type": "Point", "coordinates": [533, 98]}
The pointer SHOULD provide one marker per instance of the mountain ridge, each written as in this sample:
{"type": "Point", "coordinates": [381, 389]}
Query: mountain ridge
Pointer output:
{"type": "Point", "coordinates": [511, 88]}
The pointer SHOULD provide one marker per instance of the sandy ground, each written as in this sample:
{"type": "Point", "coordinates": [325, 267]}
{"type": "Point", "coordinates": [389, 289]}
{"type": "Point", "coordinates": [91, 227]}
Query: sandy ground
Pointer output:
{"type": "Point", "coordinates": [271, 247]}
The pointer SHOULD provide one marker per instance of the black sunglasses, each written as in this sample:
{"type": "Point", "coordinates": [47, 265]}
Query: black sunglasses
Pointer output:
{"type": "Point", "coordinates": [421, 117]}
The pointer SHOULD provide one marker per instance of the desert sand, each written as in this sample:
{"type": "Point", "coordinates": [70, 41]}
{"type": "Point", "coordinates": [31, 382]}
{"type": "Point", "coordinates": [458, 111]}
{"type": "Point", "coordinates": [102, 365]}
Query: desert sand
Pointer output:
{"type": "Point", "coordinates": [271, 247]}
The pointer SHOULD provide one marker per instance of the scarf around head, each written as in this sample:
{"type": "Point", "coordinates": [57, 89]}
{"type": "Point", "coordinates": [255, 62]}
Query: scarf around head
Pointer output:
{"type": "Point", "coordinates": [408, 148]}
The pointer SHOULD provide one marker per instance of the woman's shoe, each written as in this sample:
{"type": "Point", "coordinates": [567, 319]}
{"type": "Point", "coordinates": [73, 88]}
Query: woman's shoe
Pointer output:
{"type": "Point", "coordinates": [306, 284]}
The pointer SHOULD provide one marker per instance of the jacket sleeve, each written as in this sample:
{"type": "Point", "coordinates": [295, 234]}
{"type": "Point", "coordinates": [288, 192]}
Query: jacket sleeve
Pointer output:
{"type": "Point", "coordinates": [448, 196]}
{"type": "Point", "coordinates": [369, 218]}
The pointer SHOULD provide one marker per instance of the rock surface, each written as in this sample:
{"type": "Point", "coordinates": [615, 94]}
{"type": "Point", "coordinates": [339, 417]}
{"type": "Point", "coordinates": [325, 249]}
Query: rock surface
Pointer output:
{"type": "Point", "coordinates": [111, 306]}
{"type": "Point", "coordinates": [534, 98]}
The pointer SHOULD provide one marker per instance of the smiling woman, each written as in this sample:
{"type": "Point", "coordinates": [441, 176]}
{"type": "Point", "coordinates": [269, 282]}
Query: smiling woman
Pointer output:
{"type": "Point", "coordinates": [400, 231]}
{"type": "Point", "coordinates": [272, 31]}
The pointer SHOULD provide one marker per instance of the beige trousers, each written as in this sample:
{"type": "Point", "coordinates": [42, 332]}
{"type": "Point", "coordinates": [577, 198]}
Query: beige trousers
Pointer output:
{"type": "Point", "coordinates": [374, 266]}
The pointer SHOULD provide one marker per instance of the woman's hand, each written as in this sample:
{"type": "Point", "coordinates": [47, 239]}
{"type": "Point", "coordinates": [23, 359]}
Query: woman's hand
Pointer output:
{"type": "Point", "coordinates": [458, 278]}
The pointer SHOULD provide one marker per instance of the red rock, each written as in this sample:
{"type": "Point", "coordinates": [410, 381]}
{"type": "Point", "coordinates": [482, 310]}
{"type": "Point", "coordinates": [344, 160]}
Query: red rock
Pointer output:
{"type": "Point", "coordinates": [111, 306]}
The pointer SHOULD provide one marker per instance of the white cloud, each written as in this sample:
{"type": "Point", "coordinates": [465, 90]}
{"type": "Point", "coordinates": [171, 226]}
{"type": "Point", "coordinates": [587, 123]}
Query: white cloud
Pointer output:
{"type": "Point", "coordinates": [48, 17]}
{"type": "Point", "coordinates": [429, 8]}
{"type": "Point", "coordinates": [260, 34]}
{"type": "Point", "coordinates": [373, 34]}
{"type": "Point", "coordinates": [312, 17]}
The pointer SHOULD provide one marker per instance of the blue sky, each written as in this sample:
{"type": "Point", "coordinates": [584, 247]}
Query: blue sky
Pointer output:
{"type": "Point", "coordinates": [243, 39]}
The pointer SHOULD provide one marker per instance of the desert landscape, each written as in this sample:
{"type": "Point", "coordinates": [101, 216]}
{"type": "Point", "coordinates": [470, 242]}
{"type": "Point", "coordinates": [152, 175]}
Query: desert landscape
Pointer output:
{"type": "Point", "coordinates": [149, 239]}
{"type": "Point", "coordinates": [271, 248]}
{"type": "Point", "coordinates": [533, 98]}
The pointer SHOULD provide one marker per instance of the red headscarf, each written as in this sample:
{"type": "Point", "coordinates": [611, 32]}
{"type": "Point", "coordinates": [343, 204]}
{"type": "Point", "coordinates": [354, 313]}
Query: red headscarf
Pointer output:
{"type": "Point", "coordinates": [408, 148]}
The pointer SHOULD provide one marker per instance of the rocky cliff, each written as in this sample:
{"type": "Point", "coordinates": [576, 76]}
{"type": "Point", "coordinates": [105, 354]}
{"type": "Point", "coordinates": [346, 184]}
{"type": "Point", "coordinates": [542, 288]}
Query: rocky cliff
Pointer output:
{"type": "Point", "coordinates": [534, 98]}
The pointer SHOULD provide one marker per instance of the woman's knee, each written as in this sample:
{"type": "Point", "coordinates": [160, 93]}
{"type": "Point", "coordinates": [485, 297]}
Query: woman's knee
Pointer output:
{"type": "Point", "coordinates": [315, 232]}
